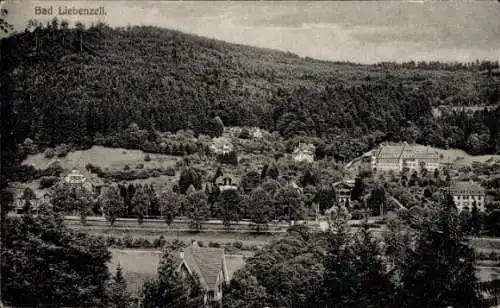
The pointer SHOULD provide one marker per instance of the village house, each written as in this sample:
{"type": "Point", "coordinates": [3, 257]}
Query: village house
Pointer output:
{"type": "Point", "coordinates": [343, 191]}
{"type": "Point", "coordinates": [85, 178]}
{"type": "Point", "coordinates": [398, 157]}
{"type": "Point", "coordinates": [212, 267]}
{"type": "Point", "coordinates": [35, 200]}
{"type": "Point", "coordinates": [225, 183]}
{"type": "Point", "coordinates": [467, 193]}
{"type": "Point", "coordinates": [304, 152]}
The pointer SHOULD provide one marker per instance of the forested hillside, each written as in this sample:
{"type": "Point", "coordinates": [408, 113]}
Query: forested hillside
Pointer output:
{"type": "Point", "coordinates": [73, 84]}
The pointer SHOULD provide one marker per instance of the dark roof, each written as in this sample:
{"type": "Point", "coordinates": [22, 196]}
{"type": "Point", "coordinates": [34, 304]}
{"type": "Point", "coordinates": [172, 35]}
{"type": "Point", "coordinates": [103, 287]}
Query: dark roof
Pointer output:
{"type": "Point", "coordinates": [206, 262]}
{"type": "Point", "coordinates": [466, 187]}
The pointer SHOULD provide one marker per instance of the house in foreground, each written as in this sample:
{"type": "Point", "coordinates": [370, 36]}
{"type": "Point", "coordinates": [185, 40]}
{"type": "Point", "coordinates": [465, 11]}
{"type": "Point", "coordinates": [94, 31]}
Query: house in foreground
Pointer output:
{"type": "Point", "coordinates": [212, 267]}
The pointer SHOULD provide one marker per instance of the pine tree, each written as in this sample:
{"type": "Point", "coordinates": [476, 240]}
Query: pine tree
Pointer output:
{"type": "Point", "coordinates": [117, 290]}
{"type": "Point", "coordinates": [170, 289]}
{"type": "Point", "coordinates": [440, 269]}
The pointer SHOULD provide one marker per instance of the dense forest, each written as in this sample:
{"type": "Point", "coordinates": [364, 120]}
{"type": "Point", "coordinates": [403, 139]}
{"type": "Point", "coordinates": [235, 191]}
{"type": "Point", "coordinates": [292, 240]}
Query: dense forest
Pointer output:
{"type": "Point", "coordinates": [75, 84]}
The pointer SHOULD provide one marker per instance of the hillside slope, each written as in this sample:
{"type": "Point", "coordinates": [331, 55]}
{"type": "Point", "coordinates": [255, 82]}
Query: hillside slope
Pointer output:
{"type": "Point", "coordinates": [70, 85]}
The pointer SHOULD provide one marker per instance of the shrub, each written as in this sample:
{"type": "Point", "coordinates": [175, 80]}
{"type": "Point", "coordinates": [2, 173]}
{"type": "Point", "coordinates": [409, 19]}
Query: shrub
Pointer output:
{"type": "Point", "coordinates": [147, 158]}
{"type": "Point", "coordinates": [126, 167]}
{"type": "Point", "coordinates": [238, 245]}
{"type": "Point", "coordinates": [213, 244]}
{"type": "Point", "coordinates": [49, 153]}
{"type": "Point", "coordinates": [245, 133]}
{"type": "Point", "coordinates": [170, 171]}
{"type": "Point", "coordinates": [140, 166]}
{"type": "Point", "coordinates": [48, 181]}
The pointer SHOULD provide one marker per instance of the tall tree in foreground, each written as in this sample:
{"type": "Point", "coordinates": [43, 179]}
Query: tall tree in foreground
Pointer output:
{"type": "Point", "coordinates": [45, 264]}
{"type": "Point", "coordinates": [170, 289]}
{"type": "Point", "coordinates": [440, 270]}
{"type": "Point", "coordinates": [117, 291]}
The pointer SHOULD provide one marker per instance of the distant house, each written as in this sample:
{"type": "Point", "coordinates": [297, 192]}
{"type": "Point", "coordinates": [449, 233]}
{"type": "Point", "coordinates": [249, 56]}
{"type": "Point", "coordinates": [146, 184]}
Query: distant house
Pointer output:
{"type": "Point", "coordinates": [343, 191]}
{"type": "Point", "coordinates": [212, 268]}
{"type": "Point", "coordinates": [304, 152]}
{"type": "Point", "coordinates": [467, 193]}
{"type": "Point", "coordinates": [85, 178]}
{"type": "Point", "coordinates": [398, 157]}
{"type": "Point", "coordinates": [35, 201]}
{"type": "Point", "coordinates": [226, 182]}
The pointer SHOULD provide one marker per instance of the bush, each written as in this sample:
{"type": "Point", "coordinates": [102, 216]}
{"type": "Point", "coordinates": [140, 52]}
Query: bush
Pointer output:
{"type": "Point", "coordinates": [245, 133]}
{"type": "Point", "coordinates": [48, 181]}
{"type": "Point", "coordinates": [170, 171]}
{"type": "Point", "coordinates": [140, 166]}
{"type": "Point", "coordinates": [238, 245]}
{"type": "Point", "coordinates": [213, 244]}
{"type": "Point", "coordinates": [147, 158]}
{"type": "Point", "coordinates": [126, 167]}
{"type": "Point", "coordinates": [49, 153]}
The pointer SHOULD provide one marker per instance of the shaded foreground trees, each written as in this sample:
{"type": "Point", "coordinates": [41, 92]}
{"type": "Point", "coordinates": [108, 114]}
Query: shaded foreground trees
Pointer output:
{"type": "Point", "coordinates": [43, 263]}
{"type": "Point", "coordinates": [171, 289]}
{"type": "Point", "coordinates": [342, 268]}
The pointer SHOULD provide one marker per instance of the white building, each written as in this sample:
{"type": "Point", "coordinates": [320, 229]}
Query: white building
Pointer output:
{"type": "Point", "coordinates": [467, 193]}
{"type": "Point", "coordinates": [304, 152]}
{"type": "Point", "coordinates": [397, 157]}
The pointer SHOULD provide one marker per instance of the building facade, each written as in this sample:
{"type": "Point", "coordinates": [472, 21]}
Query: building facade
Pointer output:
{"type": "Point", "coordinates": [404, 156]}
{"type": "Point", "coordinates": [466, 194]}
{"type": "Point", "coordinates": [343, 191]}
{"type": "Point", "coordinates": [304, 152]}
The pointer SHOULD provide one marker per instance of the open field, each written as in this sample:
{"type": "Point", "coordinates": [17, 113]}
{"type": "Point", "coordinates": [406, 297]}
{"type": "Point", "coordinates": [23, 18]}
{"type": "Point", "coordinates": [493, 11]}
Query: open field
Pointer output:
{"type": "Point", "coordinates": [139, 265]}
{"type": "Point", "coordinates": [104, 157]}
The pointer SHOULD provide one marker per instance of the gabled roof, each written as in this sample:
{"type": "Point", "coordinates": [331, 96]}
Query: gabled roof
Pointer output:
{"type": "Point", "coordinates": [206, 262]}
{"type": "Point", "coordinates": [466, 187]}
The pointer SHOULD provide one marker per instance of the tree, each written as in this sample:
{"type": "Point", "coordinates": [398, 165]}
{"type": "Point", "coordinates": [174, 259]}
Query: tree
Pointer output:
{"type": "Point", "coordinates": [326, 198]}
{"type": "Point", "coordinates": [371, 284]}
{"type": "Point", "coordinates": [260, 209]}
{"type": "Point", "coordinates": [189, 176]}
{"type": "Point", "coordinates": [4, 25]}
{"type": "Point", "coordinates": [117, 290]}
{"type": "Point", "coordinates": [141, 203]}
{"type": "Point", "coordinates": [170, 205]}
{"type": "Point", "coordinates": [197, 209]}
{"type": "Point", "coordinates": [170, 289]}
{"type": "Point", "coordinates": [475, 220]}
{"type": "Point", "coordinates": [440, 269]}
{"type": "Point", "coordinates": [358, 189]}
{"type": "Point", "coordinates": [112, 205]}
{"type": "Point", "coordinates": [289, 204]}
{"type": "Point", "coordinates": [244, 291]}
{"type": "Point", "coordinates": [72, 264]}
{"type": "Point", "coordinates": [227, 206]}
{"type": "Point", "coordinates": [376, 200]}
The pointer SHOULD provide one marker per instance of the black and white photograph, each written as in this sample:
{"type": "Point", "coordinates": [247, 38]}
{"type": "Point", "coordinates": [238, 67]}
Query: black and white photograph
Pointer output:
{"type": "Point", "coordinates": [250, 154]}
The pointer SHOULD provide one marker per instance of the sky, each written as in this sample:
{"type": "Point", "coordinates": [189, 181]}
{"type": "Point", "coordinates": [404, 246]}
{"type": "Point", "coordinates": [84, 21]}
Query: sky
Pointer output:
{"type": "Point", "coordinates": [363, 32]}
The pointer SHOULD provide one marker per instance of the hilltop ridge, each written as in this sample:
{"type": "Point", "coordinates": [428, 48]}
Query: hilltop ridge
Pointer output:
{"type": "Point", "coordinates": [71, 85]}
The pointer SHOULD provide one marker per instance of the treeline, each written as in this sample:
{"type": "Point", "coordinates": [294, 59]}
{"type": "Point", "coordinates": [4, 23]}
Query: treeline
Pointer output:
{"type": "Point", "coordinates": [164, 80]}
{"type": "Point", "coordinates": [430, 266]}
